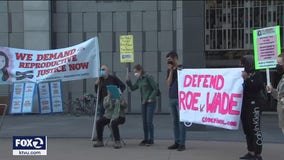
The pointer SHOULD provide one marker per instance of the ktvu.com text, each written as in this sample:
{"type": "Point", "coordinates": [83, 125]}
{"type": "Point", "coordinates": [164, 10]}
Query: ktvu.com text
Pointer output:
{"type": "Point", "coordinates": [29, 145]}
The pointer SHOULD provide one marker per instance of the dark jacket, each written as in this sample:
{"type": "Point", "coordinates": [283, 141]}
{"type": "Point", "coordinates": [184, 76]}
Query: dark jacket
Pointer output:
{"type": "Point", "coordinates": [173, 88]}
{"type": "Point", "coordinates": [111, 80]}
{"type": "Point", "coordinates": [253, 84]}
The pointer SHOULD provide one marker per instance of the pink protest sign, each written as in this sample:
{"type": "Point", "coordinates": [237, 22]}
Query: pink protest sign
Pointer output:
{"type": "Point", "coordinates": [266, 47]}
{"type": "Point", "coordinates": [211, 96]}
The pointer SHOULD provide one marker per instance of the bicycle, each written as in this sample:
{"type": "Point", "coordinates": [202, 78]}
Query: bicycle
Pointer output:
{"type": "Point", "coordinates": [83, 105]}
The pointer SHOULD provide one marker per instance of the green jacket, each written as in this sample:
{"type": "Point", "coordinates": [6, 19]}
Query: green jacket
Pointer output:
{"type": "Point", "coordinates": [148, 88]}
{"type": "Point", "coordinates": [114, 108]}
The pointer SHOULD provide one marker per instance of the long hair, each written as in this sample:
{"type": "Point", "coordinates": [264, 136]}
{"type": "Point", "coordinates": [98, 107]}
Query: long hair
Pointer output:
{"type": "Point", "coordinates": [4, 69]}
{"type": "Point", "coordinates": [248, 62]}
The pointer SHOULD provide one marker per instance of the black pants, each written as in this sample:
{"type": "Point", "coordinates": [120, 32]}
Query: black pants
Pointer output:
{"type": "Point", "coordinates": [101, 123]}
{"type": "Point", "coordinates": [250, 117]}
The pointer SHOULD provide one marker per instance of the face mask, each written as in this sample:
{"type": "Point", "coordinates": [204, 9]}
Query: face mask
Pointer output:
{"type": "Point", "coordinates": [279, 69]}
{"type": "Point", "coordinates": [102, 73]}
{"type": "Point", "coordinates": [136, 75]}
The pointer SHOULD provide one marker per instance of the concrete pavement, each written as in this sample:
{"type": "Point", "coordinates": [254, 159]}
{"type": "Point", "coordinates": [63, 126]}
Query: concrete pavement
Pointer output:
{"type": "Point", "coordinates": [69, 138]}
{"type": "Point", "coordinates": [59, 126]}
{"type": "Point", "coordinates": [81, 149]}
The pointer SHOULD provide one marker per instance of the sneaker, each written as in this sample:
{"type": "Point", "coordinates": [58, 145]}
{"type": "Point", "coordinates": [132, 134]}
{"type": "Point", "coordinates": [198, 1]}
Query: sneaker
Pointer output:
{"type": "Point", "coordinates": [149, 143]}
{"type": "Point", "coordinates": [247, 156]}
{"type": "Point", "coordinates": [143, 143]}
{"type": "Point", "coordinates": [98, 144]}
{"type": "Point", "coordinates": [181, 148]}
{"type": "Point", "coordinates": [117, 145]}
{"type": "Point", "coordinates": [174, 146]}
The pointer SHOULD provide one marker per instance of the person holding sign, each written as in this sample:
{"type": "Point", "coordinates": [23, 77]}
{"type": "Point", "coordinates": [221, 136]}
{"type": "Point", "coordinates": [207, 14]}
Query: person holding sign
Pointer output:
{"type": "Point", "coordinates": [172, 81]}
{"type": "Point", "coordinates": [278, 93]}
{"type": "Point", "coordinates": [114, 116]}
{"type": "Point", "coordinates": [251, 108]}
{"type": "Point", "coordinates": [148, 90]}
{"type": "Point", "coordinates": [106, 79]}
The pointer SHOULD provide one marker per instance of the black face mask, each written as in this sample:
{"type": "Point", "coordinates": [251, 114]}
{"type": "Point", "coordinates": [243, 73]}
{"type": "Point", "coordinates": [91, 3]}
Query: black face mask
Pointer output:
{"type": "Point", "coordinates": [279, 69]}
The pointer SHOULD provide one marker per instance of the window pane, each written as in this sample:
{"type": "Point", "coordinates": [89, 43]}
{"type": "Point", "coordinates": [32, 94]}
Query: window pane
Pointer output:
{"type": "Point", "coordinates": [219, 39]}
{"type": "Point", "coordinates": [246, 17]}
{"type": "Point", "coordinates": [256, 17]}
{"type": "Point", "coordinates": [212, 18]}
{"type": "Point", "coordinates": [234, 38]}
{"type": "Point", "coordinates": [263, 17]}
{"type": "Point", "coordinates": [207, 19]}
{"type": "Point", "coordinates": [224, 39]}
{"type": "Point", "coordinates": [241, 18]}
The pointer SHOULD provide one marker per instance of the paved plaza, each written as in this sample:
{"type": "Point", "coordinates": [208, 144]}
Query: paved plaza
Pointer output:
{"type": "Point", "coordinates": [69, 139]}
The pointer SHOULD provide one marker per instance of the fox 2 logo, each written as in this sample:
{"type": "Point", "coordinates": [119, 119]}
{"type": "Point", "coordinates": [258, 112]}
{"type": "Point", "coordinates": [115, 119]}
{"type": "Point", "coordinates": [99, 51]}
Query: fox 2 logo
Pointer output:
{"type": "Point", "coordinates": [29, 142]}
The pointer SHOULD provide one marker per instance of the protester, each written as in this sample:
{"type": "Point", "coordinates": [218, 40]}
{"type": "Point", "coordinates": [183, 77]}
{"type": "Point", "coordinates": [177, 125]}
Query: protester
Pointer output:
{"type": "Point", "coordinates": [251, 108]}
{"type": "Point", "coordinates": [148, 90]}
{"type": "Point", "coordinates": [172, 81]}
{"type": "Point", "coordinates": [106, 79]}
{"type": "Point", "coordinates": [278, 93]}
{"type": "Point", "coordinates": [114, 115]}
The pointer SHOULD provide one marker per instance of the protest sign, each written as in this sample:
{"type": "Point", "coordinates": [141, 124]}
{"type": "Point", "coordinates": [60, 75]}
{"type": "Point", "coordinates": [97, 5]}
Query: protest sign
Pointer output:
{"type": "Point", "coordinates": [73, 63]}
{"type": "Point", "coordinates": [211, 96]}
{"type": "Point", "coordinates": [126, 49]}
{"type": "Point", "coordinates": [114, 91]}
{"type": "Point", "coordinates": [266, 47]}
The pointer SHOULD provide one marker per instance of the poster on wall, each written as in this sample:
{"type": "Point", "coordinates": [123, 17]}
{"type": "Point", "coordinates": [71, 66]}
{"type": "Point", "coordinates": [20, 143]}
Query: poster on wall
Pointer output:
{"type": "Point", "coordinates": [22, 97]}
{"type": "Point", "coordinates": [50, 97]}
{"type": "Point", "coordinates": [56, 96]}
{"type": "Point", "coordinates": [44, 97]}
{"type": "Point", "coordinates": [17, 98]}
{"type": "Point", "coordinates": [28, 97]}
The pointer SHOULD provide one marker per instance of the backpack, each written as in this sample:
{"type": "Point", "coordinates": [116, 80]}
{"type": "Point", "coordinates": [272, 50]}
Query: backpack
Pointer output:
{"type": "Point", "coordinates": [158, 92]}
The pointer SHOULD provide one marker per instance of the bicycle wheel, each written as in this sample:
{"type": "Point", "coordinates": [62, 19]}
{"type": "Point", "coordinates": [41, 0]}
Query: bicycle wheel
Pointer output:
{"type": "Point", "coordinates": [89, 109]}
{"type": "Point", "coordinates": [76, 108]}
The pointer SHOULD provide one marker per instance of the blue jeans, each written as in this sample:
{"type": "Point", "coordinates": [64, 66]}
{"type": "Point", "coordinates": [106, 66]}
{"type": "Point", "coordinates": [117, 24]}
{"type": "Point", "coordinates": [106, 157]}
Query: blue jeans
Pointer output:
{"type": "Point", "coordinates": [148, 110]}
{"type": "Point", "coordinates": [101, 110]}
{"type": "Point", "coordinates": [179, 128]}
